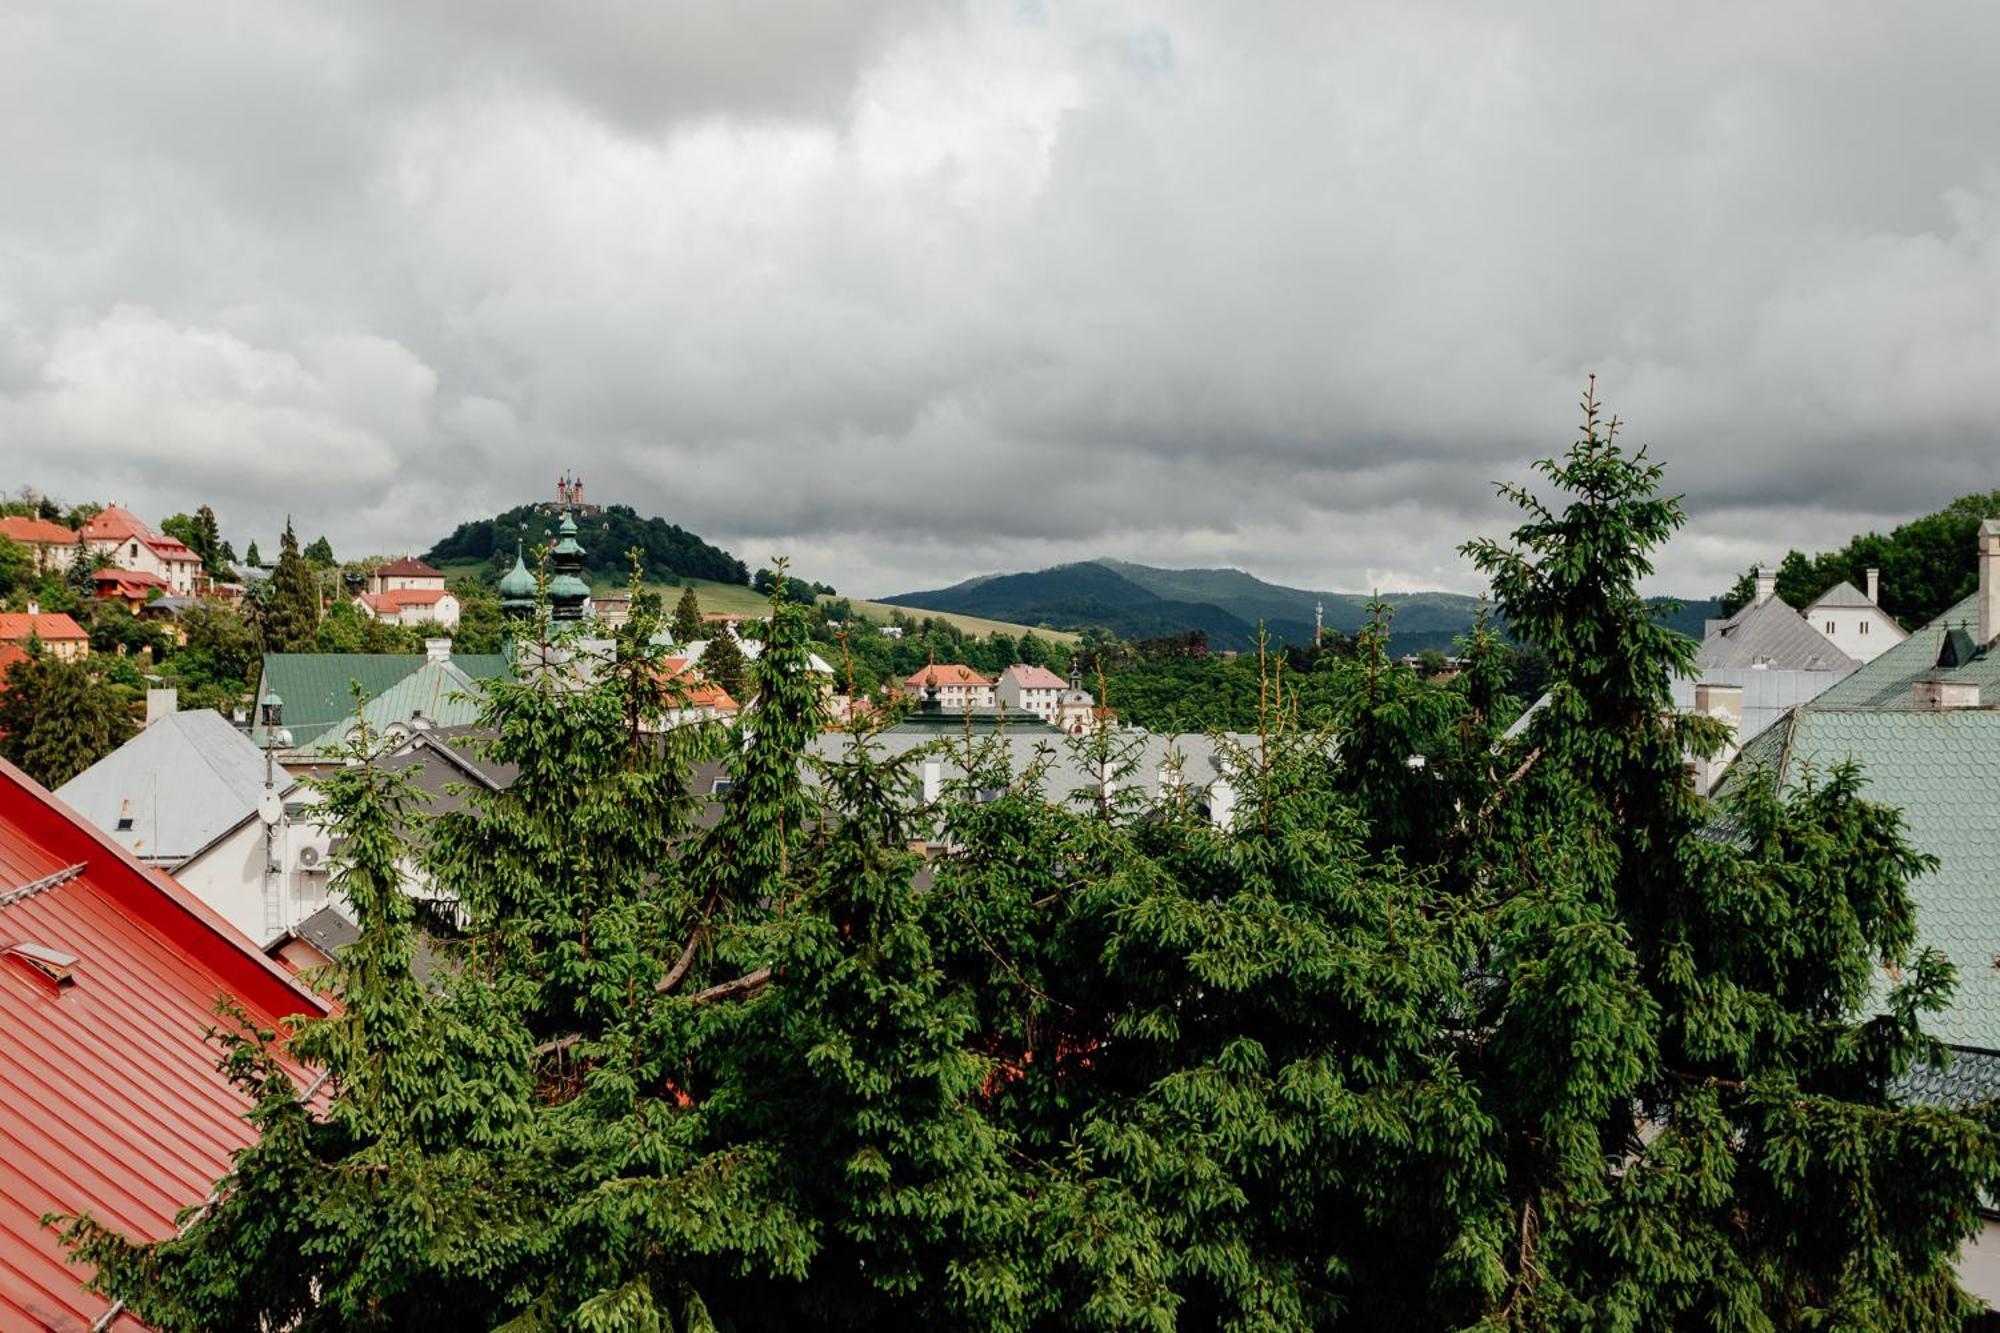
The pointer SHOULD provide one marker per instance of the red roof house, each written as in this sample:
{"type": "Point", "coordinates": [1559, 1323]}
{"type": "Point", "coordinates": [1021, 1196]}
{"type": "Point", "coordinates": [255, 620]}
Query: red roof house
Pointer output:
{"type": "Point", "coordinates": [109, 1097]}
{"type": "Point", "coordinates": [408, 567]}
{"type": "Point", "coordinates": [58, 633]}
{"type": "Point", "coordinates": [36, 532]}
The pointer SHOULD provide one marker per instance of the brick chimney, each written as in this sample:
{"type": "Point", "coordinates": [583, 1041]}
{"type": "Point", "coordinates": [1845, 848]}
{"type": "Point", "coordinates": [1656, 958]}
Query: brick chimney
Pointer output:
{"type": "Point", "coordinates": [1875, 587]}
{"type": "Point", "coordinates": [1989, 580]}
{"type": "Point", "coordinates": [1767, 586]}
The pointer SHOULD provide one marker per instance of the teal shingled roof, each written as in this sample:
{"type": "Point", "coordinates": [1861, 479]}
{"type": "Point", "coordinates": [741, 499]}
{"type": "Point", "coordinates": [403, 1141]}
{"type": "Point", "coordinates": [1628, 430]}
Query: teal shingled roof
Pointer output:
{"type": "Point", "coordinates": [1942, 770]}
{"type": "Point", "coordinates": [1885, 682]}
{"type": "Point", "coordinates": [317, 688]}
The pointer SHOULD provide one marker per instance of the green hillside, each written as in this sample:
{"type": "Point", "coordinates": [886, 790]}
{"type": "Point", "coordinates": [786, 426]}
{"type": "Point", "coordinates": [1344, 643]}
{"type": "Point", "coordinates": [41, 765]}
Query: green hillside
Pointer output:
{"type": "Point", "coordinates": [666, 552]}
{"type": "Point", "coordinates": [1137, 601]}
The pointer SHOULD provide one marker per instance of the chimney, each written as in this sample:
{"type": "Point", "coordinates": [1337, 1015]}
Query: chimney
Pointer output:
{"type": "Point", "coordinates": [1724, 703]}
{"type": "Point", "coordinates": [1874, 587]}
{"type": "Point", "coordinates": [1767, 587]}
{"type": "Point", "coordinates": [1934, 695]}
{"type": "Point", "coordinates": [437, 650]}
{"type": "Point", "coordinates": [161, 703]}
{"type": "Point", "coordinates": [34, 608]}
{"type": "Point", "coordinates": [1989, 580]}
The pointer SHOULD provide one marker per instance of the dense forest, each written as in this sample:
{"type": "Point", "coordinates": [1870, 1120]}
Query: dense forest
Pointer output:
{"type": "Point", "coordinates": [1440, 1029]}
{"type": "Point", "coordinates": [667, 553]}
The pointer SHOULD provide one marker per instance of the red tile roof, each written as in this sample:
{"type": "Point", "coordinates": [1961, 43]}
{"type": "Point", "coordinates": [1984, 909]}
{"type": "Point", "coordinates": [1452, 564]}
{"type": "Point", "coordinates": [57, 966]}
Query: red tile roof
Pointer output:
{"type": "Point", "coordinates": [700, 692]}
{"type": "Point", "coordinates": [389, 603]}
{"type": "Point", "coordinates": [109, 1096]}
{"type": "Point", "coordinates": [409, 567]}
{"type": "Point", "coordinates": [36, 532]}
{"type": "Point", "coordinates": [49, 627]}
{"type": "Point", "coordinates": [117, 524]}
{"type": "Point", "coordinates": [945, 673]}
{"type": "Point", "coordinates": [1034, 677]}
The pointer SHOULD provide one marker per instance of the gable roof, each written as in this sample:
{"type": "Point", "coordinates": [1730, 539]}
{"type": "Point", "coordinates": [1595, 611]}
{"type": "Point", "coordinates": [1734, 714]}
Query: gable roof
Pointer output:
{"type": "Point", "coordinates": [701, 692]}
{"type": "Point", "coordinates": [1034, 677]}
{"type": "Point", "coordinates": [394, 600]}
{"type": "Point", "coordinates": [115, 523]}
{"type": "Point", "coordinates": [181, 783]}
{"type": "Point", "coordinates": [1842, 595]}
{"type": "Point", "coordinates": [1772, 635]}
{"type": "Point", "coordinates": [408, 567]}
{"type": "Point", "coordinates": [35, 531]}
{"type": "Point", "coordinates": [48, 626]}
{"type": "Point", "coordinates": [111, 1101]}
{"type": "Point", "coordinates": [435, 694]}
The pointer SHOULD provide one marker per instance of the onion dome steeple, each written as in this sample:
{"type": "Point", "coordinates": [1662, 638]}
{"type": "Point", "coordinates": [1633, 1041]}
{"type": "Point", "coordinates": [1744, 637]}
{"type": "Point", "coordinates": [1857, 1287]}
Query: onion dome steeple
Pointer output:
{"type": "Point", "coordinates": [567, 590]}
{"type": "Point", "coordinates": [517, 589]}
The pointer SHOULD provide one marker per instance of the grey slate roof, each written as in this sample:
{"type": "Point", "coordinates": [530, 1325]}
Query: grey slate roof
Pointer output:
{"type": "Point", "coordinates": [1842, 595]}
{"type": "Point", "coordinates": [182, 782]}
{"type": "Point", "coordinates": [1773, 635]}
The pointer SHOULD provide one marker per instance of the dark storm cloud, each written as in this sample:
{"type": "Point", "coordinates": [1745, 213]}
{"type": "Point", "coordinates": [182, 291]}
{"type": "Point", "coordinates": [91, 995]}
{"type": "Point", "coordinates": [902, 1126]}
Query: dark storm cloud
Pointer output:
{"type": "Point", "coordinates": [917, 291]}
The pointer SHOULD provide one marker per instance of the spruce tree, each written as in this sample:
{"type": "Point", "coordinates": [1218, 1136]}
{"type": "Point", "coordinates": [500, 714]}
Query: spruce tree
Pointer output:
{"type": "Point", "coordinates": [722, 662]}
{"type": "Point", "coordinates": [687, 617]}
{"type": "Point", "coordinates": [251, 557]}
{"type": "Point", "coordinates": [291, 616]}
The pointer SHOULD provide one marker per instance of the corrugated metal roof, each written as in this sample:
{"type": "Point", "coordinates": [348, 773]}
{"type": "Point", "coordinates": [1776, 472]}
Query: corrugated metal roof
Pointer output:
{"type": "Point", "coordinates": [1842, 595]}
{"type": "Point", "coordinates": [180, 784]}
{"type": "Point", "coordinates": [109, 1097]}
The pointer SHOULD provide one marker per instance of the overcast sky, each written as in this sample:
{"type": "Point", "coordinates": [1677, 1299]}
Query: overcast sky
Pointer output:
{"type": "Point", "coordinates": [913, 290]}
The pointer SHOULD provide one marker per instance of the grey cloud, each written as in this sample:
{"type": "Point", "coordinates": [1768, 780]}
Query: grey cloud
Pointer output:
{"type": "Point", "coordinates": [920, 291]}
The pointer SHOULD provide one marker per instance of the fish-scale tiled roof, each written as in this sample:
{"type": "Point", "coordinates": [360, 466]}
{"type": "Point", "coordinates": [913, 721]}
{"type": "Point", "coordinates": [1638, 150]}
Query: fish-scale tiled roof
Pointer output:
{"type": "Point", "coordinates": [1885, 682]}
{"type": "Point", "coordinates": [1942, 770]}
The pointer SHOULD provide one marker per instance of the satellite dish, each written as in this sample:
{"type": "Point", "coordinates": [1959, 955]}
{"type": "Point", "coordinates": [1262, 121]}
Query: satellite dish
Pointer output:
{"type": "Point", "coordinates": [270, 807]}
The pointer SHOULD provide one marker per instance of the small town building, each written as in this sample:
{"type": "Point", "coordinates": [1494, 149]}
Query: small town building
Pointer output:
{"type": "Point", "coordinates": [1034, 688]}
{"type": "Point", "coordinates": [133, 587]}
{"type": "Point", "coordinates": [53, 545]}
{"type": "Point", "coordinates": [197, 798]}
{"type": "Point", "coordinates": [1853, 621]}
{"type": "Point", "coordinates": [315, 692]}
{"type": "Point", "coordinates": [122, 537]}
{"type": "Point", "coordinates": [410, 606]}
{"type": "Point", "coordinates": [408, 574]}
{"type": "Point", "coordinates": [953, 684]}
{"type": "Point", "coordinates": [700, 698]}
{"type": "Point", "coordinates": [112, 1102]}
{"type": "Point", "coordinates": [60, 637]}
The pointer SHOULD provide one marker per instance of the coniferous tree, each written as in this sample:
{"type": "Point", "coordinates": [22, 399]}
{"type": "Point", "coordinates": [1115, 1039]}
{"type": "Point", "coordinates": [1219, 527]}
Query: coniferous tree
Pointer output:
{"type": "Point", "coordinates": [58, 718]}
{"type": "Point", "coordinates": [321, 552]}
{"type": "Point", "coordinates": [687, 617]}
{"type": "Point", "coordinates": [291, 615]}
{"type": "Point", "coordinates": [722, 662]}
{"type": "Point", "coordinates": [250, 556]}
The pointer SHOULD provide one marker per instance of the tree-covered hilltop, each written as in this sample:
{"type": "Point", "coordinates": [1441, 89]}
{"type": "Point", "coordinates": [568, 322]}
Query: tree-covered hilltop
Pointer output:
{"type": "Point", "coordinates": [667, 553]}
{"type": "Point", "coordinates": [1438, 1028]}
{"type": "Point", "coordinates": [1923, 564]}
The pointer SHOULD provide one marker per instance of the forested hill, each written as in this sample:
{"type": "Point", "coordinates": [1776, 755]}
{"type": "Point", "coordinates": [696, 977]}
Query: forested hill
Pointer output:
{"type": "Point", "coordinates": [1141, 601]}
{"type": "Point", "coordinates": [1927, 564]}
{"type": "Point", "coordinates": [666, 552]}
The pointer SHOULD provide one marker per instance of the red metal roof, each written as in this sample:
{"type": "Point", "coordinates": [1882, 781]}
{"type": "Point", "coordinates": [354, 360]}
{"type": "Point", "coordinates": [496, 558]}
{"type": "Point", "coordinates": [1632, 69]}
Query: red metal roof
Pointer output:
{"type": "Point", "coordinates": [109, 1096]}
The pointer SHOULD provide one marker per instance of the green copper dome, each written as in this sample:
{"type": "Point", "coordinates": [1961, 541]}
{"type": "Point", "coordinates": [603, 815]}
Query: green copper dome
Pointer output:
{"type": "Point", "coordinates": [517, 582]}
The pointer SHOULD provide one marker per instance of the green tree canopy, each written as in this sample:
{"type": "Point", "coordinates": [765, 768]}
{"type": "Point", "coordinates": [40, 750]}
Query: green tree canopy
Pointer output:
{"type": "Point", "coordinates": [57, 718]}
{"type": "Point", "coordinates": [687, 617]}
{"type": "Point", "coordinates": [291, 613]}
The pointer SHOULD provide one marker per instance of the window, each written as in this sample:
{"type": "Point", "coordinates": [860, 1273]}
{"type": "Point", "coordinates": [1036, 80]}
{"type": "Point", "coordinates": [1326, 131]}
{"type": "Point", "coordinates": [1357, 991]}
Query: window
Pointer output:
{"type": "Point", "coordinates": [135, 551]}
{"type": "Point", "coordinates": [1829, 627]}
{"type": "Point", "coordinates": [1864, 627]}
{"type": "Point", "coordinates": [124, 823]}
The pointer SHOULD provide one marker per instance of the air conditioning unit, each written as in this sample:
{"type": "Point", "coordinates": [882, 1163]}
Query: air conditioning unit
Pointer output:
{"type": "Point", "coordinates": [308, 857]}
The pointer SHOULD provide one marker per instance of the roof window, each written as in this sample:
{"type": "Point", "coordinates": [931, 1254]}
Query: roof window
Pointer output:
{"type": "Point", "coordinates": [54, 965]}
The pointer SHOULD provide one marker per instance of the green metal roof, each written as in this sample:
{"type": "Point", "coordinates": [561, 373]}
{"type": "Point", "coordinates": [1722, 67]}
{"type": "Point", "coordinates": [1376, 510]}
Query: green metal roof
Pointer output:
{"type": "Point", "coordinates": [318, 688]}
{"type": "Point", "coordinates": [438, 692]}
{"type": "Point", "coordinates": [1942, 770]}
